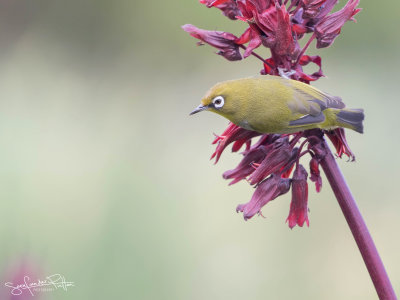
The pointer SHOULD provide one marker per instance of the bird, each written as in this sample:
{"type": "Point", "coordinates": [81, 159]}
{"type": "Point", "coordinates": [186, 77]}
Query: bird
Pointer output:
{"type": "Point", "coordinates": [273, 104]}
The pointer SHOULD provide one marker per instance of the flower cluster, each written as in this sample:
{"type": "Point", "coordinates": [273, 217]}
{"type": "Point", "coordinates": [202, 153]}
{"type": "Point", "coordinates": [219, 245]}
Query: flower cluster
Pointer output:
{"type": "Point", "coordinates": [269, 163]}
{"type": "Point", "coordinates": [272, 164]}
{"type": "Point", "coordinates": [273, 25]}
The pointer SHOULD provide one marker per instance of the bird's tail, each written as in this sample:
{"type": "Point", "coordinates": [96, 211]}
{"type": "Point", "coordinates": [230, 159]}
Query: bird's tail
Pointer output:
{"type": "Point", "coordinates": [351, 118]}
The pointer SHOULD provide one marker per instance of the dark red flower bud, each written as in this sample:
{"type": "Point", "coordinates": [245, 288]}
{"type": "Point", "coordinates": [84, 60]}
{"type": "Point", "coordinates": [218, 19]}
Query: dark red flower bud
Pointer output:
{"type": "Point", "coordinates": [224, 41]}
{"type": "Point", "coordinates": [315, 175]}
{"type": "Point", "coordinates": [298, 213]}
{"type": "Point", "coordinates": [277, 158]}
{"type": "Point", "coordinates": [266, 191]}
{"type": "Point", "coordinates": [329, 27]}
{"type": "Point", "coordinates": [245, 167]}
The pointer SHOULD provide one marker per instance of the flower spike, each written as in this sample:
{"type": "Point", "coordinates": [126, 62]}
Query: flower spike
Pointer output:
{"type": "Point", "coordinates": [268, 163]}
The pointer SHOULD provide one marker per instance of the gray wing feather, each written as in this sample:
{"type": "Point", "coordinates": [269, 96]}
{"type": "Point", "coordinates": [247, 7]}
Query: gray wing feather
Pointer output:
{"type": "Point", "coordinates": [311, 103]}
{"type": "Point", "coordinates": [331, 101]}
{"type": "Point", "coordinates": [308, 119]}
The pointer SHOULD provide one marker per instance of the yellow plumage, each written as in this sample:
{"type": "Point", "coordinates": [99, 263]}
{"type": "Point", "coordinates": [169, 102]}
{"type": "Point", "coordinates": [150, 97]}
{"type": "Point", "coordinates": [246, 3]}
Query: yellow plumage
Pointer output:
{"type": "Point", "coordinates": [272, 104]}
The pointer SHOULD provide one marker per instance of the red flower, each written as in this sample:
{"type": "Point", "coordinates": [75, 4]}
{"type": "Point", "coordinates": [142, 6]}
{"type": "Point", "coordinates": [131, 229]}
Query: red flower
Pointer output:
{"type": "Point", "coordinates": [266, 191]}
{"type": "Point", "coordinates": [298, 206]}
{"type": "Point", "coordinates": [277, 158]}
{"type": "Point", "coordinates": [329, 27]}
{"type": "Point", "coordinates": [338, 139]}
{"type": "Point", "coordinates": [246, 166]}
{"type": "Point", "coordinates": [270, 24]}
{"type": "Point", "coordinates": [232, 133]}
{"type": "Point", "coordinates": [224, 41]}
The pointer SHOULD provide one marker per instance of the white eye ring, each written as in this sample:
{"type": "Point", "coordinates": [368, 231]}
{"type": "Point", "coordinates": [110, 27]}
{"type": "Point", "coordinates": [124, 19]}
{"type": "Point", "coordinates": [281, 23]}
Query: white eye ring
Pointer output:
{"type": "Point", "coordinates": [218, 101]}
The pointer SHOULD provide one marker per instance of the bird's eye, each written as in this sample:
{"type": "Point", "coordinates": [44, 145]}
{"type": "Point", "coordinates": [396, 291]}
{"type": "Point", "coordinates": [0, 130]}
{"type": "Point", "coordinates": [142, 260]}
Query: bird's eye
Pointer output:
{"type": "Point", "coordinates": [218, 101]}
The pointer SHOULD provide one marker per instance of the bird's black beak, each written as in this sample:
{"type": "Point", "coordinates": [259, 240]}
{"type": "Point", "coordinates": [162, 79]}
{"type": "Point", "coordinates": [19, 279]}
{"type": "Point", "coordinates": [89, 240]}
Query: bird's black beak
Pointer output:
{"type": "Point", "coordinates": [199, 109]}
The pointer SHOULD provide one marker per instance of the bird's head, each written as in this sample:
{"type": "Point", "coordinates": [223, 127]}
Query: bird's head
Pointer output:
{"type": "Point", "coordinates": [221, 99]}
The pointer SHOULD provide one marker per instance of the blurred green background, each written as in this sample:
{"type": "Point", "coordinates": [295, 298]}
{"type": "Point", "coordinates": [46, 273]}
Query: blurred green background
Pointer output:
{"type": "Point", "coordinates": [106, 180]}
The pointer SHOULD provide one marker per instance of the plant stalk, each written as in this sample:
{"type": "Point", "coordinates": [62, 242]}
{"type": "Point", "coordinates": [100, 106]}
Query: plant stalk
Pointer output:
{"type": "Point", "coordinates": [358, 227]}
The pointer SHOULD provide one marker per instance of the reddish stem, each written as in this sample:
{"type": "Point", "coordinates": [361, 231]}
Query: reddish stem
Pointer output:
{"type": "Point", "coordinates": [305, 48]}
{"type": "Point", "coordinates": [292, 3]}
{"type": "Point", "coordinates": [258, 56]}
{"type": "Point", "coordinates": [358, 228]}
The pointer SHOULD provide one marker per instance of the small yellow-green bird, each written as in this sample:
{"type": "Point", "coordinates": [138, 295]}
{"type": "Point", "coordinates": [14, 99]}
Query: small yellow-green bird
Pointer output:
{"type": "Point", "coordinates": [277, 105]}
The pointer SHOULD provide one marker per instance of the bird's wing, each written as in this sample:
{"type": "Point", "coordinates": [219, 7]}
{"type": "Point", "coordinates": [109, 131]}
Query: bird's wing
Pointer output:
{"type": "Point", "coordinates": [308, 104]}
{"type": "Point", "coordinates": [308, 119]}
